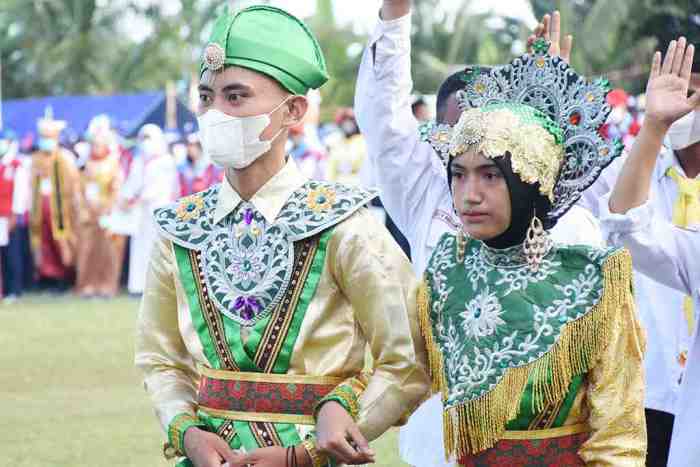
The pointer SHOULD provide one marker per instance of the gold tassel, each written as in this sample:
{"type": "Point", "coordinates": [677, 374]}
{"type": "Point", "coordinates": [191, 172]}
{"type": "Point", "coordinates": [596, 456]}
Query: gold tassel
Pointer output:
{"type": "Point", "coordinates": [435, 366]}
{"type": "Point", "coordinates": [477, 425]}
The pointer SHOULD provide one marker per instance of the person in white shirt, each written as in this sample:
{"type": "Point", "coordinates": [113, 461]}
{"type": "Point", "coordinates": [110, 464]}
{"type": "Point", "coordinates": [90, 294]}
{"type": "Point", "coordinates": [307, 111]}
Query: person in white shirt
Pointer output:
{"type": "Point", "coordinates": [15, 196]}
{"type": "Point", "coordinates": [156, 181]}
{"type": "Point", "coordinates": [411, 176]}
{"type": "Point", "coordinates": [666, 314]}
{"type": "Point", "coordinates": [666, 252]}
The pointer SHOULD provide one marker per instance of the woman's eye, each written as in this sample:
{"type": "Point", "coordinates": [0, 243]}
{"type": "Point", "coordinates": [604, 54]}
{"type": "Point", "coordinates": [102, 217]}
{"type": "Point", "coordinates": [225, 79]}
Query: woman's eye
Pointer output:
{"type": "Point", "coordinates": [233, 98]}
{"type": "Point", "coordinates": [204, 98]}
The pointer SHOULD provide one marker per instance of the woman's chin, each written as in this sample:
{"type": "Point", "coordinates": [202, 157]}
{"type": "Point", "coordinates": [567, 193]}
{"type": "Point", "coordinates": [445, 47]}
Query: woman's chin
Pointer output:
{"type": "Point", "coordinates": [479, 234]}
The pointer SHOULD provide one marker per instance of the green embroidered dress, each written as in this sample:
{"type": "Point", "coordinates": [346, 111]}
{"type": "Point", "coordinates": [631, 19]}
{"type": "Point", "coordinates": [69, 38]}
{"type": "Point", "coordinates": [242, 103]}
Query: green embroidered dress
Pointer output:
{"type": "Point", "coordinates": [514, 350]}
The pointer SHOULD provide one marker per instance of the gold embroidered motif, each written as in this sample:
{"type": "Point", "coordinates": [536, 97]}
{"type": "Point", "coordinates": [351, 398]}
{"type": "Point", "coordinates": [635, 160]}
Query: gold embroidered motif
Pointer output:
{"type": "Point", "coordinates": [536, 155]}
{"type": "Point", "coordinates": [320, 199]}
{"type": "Point", "coordinates": [189, 208]}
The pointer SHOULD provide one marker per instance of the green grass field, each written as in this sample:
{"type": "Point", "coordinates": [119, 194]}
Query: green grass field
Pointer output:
{"type": "Point", "coordinates": [69, 393]}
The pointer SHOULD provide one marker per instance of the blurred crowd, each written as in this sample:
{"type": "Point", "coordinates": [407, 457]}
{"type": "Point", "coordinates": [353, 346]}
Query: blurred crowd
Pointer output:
{"type": "Point", "coordinates": [75, 216]}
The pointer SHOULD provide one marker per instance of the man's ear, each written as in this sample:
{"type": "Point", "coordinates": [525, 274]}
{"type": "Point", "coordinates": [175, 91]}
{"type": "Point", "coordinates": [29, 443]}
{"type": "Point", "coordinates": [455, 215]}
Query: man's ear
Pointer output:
{"type": "Point", "coordinates": [296, 110]}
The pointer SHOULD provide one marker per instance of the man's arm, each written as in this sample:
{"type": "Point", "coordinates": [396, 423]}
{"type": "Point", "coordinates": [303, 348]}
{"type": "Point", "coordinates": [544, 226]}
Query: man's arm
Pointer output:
{"type": "Point", "coordinates": [377, 279]}
{"type": "Point", "coordinates": [659, 249]}
{"type": "Point", "coordinates": [169, 370]}
{"type": "Point", "coordinates": [667, 101]}
{"type": "Point", "coordinates": [409, 174]}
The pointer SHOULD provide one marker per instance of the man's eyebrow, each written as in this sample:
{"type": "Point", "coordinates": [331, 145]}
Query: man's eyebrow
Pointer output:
{"type": "Point", "coordinates": [227, 88]}
{"type": "Point", "coordinates": [236, 87]}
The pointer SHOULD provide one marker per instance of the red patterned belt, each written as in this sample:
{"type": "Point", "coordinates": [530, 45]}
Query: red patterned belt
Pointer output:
{"type": "Point", "coordinates": [541, 448]}
{"type": "Point", "coordinates": [262, 397]}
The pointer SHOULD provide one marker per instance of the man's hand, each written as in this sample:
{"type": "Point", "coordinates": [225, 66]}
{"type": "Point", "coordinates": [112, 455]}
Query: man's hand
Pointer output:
{"type": "Point", "coordinates": [667, 89]}
{"type": "Point", "coordinates": [340, 438]}
{"type": "Point", "coordinates": [274, 457]}
{"type": "Point", "coordinates": [550, 29]}
{"type": "Point", "coordinates": [392, 9]}
{"type": "Point", "coordinates": [206, 449]}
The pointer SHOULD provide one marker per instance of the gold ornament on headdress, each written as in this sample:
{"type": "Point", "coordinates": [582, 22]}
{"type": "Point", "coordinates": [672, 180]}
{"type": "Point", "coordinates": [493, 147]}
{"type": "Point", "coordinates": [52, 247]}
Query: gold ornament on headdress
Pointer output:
{"type": "Point", "coordinates": [536, 155]}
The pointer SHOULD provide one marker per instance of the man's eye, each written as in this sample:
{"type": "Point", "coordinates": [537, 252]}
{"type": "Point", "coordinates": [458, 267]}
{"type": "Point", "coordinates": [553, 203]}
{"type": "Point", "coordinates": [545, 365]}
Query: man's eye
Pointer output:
{"type": "Point", "coordinates": [233, 98]}
{"type": "Point", "coordinates": [204, 98]}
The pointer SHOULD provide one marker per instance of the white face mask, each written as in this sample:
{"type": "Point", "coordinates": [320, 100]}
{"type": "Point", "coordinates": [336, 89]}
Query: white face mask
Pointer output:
{"type": "Point", "coordinates": [150, 147]}
{"type": "Point", "coordinates": [684, 132]}
{"type": "Point", "coordinates": [234, 142]}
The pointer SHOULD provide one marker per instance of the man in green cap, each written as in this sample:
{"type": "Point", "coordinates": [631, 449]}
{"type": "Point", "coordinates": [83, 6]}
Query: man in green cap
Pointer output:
{"type": "Point", "coordinates": [264, 291]}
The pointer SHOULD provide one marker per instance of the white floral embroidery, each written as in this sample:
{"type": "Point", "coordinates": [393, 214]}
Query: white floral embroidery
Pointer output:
{"type": "Point", "coordinates": [482, 316]}
{"type": "Point", "coordinates": [472, 368]}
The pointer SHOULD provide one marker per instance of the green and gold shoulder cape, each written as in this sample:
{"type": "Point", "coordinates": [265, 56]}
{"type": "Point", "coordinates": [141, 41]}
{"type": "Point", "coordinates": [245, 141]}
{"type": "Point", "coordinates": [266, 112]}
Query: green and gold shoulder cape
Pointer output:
{"type": "Point", "coordinates": [492, 325]}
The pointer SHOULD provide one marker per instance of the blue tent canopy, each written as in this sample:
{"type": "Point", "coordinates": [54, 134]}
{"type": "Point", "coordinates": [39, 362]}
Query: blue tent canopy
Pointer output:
{"type": "Point", "coordinates": [128, 112]}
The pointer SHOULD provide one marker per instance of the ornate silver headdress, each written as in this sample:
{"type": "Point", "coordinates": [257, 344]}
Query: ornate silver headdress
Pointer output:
{"type": "Point", "coordinates": [577, 106]}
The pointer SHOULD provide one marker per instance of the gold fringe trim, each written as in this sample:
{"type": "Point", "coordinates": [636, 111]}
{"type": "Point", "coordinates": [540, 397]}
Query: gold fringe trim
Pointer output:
{"type": "Point", "coordinates": [477, 425]}
{"type": "Point", "coordinates": [435, 361]}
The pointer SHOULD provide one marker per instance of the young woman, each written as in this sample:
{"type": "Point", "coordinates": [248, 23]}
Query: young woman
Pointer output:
{"type": "Point", "coordinates": [535, 346]}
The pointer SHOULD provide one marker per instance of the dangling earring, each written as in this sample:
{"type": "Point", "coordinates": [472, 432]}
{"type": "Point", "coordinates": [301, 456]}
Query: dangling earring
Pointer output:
{"type": "Point", "coordinates": [535, 244]}
{"type": "Point", "coordinates": [461, 245]}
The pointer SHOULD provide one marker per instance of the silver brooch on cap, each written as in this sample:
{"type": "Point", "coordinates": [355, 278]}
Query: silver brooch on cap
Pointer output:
{"type": "Point", "coordinates": [214, 56]}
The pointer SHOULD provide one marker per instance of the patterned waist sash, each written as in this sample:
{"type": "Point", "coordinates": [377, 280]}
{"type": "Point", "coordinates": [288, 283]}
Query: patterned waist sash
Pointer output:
{"type": "Point", "coordinates": [262, 397]}
{"type": "Point", "coordinates": [534, 448]}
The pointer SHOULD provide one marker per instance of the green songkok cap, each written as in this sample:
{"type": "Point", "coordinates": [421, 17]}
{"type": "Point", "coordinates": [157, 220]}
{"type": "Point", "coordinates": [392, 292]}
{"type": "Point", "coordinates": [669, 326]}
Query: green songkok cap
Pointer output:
{"type": "Point", "coordinates": [270, 41]}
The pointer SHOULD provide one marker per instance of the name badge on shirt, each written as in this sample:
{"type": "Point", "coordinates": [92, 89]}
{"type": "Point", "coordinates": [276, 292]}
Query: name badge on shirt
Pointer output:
{"type": "Point", "coordinates": [45, 186]}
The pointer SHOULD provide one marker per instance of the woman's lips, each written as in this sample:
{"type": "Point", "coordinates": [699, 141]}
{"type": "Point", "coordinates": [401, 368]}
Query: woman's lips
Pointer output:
{"type": "Point", "coordinates": [474, 216]}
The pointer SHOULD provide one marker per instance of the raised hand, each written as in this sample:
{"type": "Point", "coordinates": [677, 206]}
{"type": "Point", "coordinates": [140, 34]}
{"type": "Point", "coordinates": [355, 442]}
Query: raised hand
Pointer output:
{"type": "Point", "coordinates": [667, 90]}
{"type": "Point", "coordinates": [392, 9]}
{"type": "Point", "coordinates": [550, 29]}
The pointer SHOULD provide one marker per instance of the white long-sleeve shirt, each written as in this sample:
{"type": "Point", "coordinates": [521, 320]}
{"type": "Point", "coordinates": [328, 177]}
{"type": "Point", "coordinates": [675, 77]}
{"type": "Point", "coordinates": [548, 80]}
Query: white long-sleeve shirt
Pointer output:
{"type": "Point", "coordinates": [659, 306]}
{"type": "Point", "coordinates": [671, 255]}
{"type": "Point", "coordinates": [415, 193]}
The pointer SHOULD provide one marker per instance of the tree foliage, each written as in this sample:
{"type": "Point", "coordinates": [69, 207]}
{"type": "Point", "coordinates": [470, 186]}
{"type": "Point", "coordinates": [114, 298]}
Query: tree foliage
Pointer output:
{"type": "Point", "coordinates": [620, 36]}
{"type": "Point", "coordinates": [53, 47]}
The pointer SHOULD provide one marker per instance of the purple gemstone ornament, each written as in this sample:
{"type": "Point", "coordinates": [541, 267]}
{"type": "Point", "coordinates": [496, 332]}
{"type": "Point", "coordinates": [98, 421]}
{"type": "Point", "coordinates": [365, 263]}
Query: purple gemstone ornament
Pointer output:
{"type": "Point", "coordinates": [248, 216]}
{"type": "Point", "coordinates": [247, 307]}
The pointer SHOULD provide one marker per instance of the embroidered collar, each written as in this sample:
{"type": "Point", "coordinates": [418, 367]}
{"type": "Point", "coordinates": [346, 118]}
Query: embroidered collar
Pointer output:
{"type": "Point", "coordinates": [511, 314]}
{"type": "Point", "coordinates": [269, 199]}
{"type": "Point", "coordinates": [247, 260]}
{"type": "Point", "coordinates": [511, 257]}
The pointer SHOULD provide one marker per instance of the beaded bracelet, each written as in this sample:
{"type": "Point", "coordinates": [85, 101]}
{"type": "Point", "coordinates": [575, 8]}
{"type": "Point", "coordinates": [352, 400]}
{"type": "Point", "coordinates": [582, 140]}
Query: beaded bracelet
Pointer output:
{"type": "Point", "coordinates": [343, 395]}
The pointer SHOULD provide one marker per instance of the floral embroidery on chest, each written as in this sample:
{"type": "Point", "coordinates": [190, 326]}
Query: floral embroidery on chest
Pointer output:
{"type": "Point", "coordinates": [247, 262]}
{"type": "Point", "coordinates": [490, 312]}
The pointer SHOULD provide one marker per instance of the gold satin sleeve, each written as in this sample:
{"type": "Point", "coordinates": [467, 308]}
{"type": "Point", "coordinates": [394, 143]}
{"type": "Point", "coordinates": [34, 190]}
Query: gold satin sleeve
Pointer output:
{"type": "Point", "coordinates": [170, 376]}
{"type": "Point", "coordinates": [376, 277]}
{"type": "Point", "coordinates": [615, 398]}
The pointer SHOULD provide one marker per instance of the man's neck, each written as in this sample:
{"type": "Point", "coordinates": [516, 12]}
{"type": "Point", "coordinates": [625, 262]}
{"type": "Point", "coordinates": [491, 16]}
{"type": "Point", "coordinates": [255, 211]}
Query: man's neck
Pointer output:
{"type": "Point", "coordinates": [689, 159]}
{"type": "Point", "coordinates": [249, 180]}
